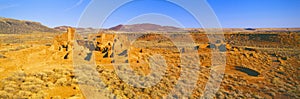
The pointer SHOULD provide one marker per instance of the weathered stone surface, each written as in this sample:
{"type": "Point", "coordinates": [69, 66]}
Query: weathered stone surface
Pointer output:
{"type": "Point", "coordinates": [64, 43]}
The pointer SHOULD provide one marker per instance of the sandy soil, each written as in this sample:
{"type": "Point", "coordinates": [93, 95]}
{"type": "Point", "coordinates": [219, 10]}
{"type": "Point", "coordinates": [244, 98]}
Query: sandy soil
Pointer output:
{"type": "Point", "coordinates": [41, 65]}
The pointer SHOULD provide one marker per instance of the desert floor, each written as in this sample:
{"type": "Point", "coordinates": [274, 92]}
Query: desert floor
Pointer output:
{"type": "Point", "coordinates": [257, 65]}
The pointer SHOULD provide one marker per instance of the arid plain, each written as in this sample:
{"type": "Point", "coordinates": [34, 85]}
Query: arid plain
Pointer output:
{"type": "Point", "coordinates": [260, 63]}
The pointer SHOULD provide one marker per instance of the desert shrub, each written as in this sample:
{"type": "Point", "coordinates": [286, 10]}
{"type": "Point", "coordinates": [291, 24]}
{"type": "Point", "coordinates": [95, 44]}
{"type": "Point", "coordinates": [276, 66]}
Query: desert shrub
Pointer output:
{"type": "Point", "coordinates": [19, 79]}
{"type": "Point", "coordinates": [58, 70]}
{"type": "Point", "coordinates": [4, 95]}
{"type": "Point", "coordinates": [58, 76]}
{"type": "Point", "coordinates": [34, 80]}
{"type": "Point", "coordinates": [32, 88]}
{"type": "Point", "coordinates": [11, 85]}
{"type": "Point", "coordinates": [247, 95]}
{"type": "Point", "coordinates": [271, 94]}
{"type": "Point", "coordinates": [254, 86]}
{"type": "Point", "coordinates": [39, 82]}
{"type": "Point", "coordinates": [275, 81]}
{"type": "Point", "coordinates": [48, 44]}
{"type": "Point", "coordinates": [56, 97]}
{"type": "Point", "coordinates": [96, 79]}
{"type": "Point", "coordinates": [6, 82]}
{"type": "Point", "coordinates": [142, 96]}
{"type": "Point", "coordinates": [25, 84]}
{"type": "Point", "coordinates": [61, 82]}
{"type": "Point", "coordinates": [256, 96]}
{"type": "Point", "coordinates": [9, 89]}
{"type": "Point", "coordinates": [66, 72]}
{"type": "Point", "coordinates": [74, 80]}
{"type": "Point", "coordinates": [18, 76]}
{"type": "Point", "coordinates": [156, 94]}
{"type": "Point", "coordinates": [49, 84]}
{"type": "Point", "coordinates": [2, 56]}
{"type": "Point", "coordinates": [39, 95]}
{"type": "Point", "coordinates": [22, 95]}
{"type": "Point", "coordinates": [22, 85]}
{"type": "Point", "coordinates": [281, 90]}
{"type": "Point", "coordinates": [21, 47]}
{"type": "Point", "coordinates": [49, 72]}
{"type": "Point", "coordinates": [233, 94]}
{"type": "Point", "coordinates": [230, 87]}
{"type": "Point", "coordinates": [40, 75]}
{"type": "Point", "coordinates": [82, 79]}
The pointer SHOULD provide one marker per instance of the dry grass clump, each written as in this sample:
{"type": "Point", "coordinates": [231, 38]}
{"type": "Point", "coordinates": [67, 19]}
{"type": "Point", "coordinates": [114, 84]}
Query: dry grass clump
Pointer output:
{"type": "Point", "coordinates": [32, 85]}
{"type": "Point", "coordinates": [2, 56]}
{"type": "Point", "coordinates": [116, 87]}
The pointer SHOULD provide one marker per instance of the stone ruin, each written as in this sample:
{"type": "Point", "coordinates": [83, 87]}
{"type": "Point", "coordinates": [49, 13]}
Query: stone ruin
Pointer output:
{"type": "Point", "coordinates": [64, 44]}
{"type": "Point", "coordinates": [104, 44]}
{"type": "Point", "coordinates": [99, 46]}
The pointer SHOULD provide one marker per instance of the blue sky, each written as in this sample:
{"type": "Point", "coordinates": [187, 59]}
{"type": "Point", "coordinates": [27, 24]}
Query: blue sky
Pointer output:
{"type": "Point", "coordinates": [231, 13]}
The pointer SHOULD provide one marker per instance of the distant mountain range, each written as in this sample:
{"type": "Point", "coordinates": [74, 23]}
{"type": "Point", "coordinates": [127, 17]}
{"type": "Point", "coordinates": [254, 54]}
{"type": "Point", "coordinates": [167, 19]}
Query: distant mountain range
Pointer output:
{"type": "Point", "coordinates": [13, 26]}
{"type": "Point", "coordinates": [78, 30]}
{"type": "Point", "coordinates": [145, 27]}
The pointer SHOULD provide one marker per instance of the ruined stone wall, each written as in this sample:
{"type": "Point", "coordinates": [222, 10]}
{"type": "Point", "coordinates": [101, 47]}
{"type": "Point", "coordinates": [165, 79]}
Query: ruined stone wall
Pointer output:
{"type": "Point", "coordinates": [64, 44]}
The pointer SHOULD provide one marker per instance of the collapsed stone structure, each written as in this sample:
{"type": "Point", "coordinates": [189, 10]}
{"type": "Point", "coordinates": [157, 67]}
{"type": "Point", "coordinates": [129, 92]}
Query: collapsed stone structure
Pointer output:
{"type": "Point", "coordinates": [64, 44]}
{"type": "Point", "coordinates": [104, 44]}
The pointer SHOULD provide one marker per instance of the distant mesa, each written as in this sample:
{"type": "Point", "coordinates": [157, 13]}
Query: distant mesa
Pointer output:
{"type": "Point", "coordinates": [250, 29]}
{"type": "Point", "coordinates": [62, 28]}
{"type": "Point", "coordinates": [78, 30]}
{"type": "Point", "coordinates": [13, 26]}
{"type": "Point", "coordinates": [145, 27]}
{"type": "Point", "coordinates": [116, 28]}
